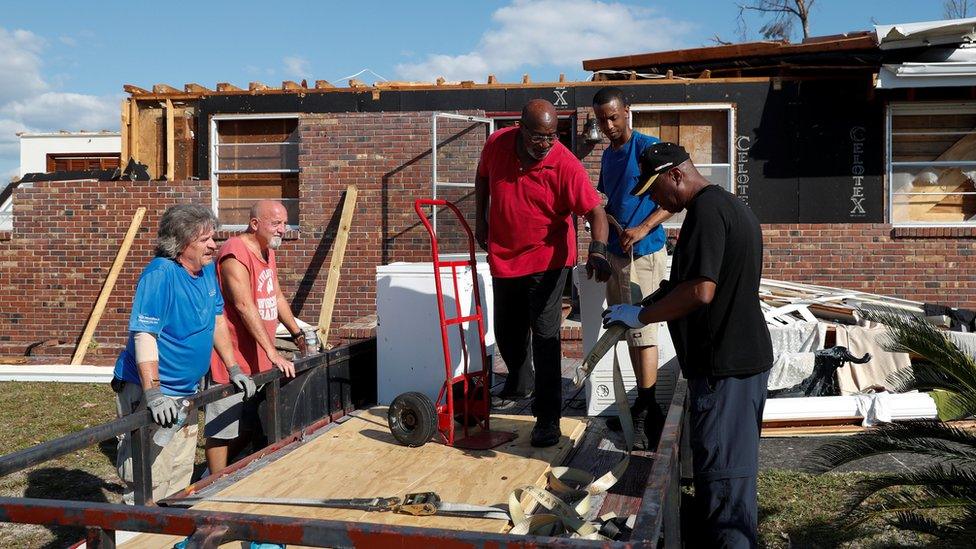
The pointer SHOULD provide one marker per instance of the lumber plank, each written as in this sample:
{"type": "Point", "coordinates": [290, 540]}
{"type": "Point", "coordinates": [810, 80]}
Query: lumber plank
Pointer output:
{"type": "Point", "coordinates": [165, 88]}
{"type": "Point", "coordinates": [113, 275]}
{"type": "Point", "coordinates": [133, 130]}
{"type": "Point", "coordinates": [135, 90]}
{"type": "Point", "coordinates": [170, 141]}
{"type": "Point", "coordinates": [360, 458]}
{"type": "Point", "coordinates": [335, 265]}
{"type": "Point", "coordinates": [126, 133]}
{"type": "Point", "coordinates": [193, 87]}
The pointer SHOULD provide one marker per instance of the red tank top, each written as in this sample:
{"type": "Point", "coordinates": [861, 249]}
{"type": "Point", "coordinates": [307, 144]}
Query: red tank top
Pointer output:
{"type": "Point", "coordinates": [264, 279]}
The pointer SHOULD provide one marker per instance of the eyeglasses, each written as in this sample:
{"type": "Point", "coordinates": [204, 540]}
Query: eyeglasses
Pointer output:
{"type": "Point", "coordinates": [540, 138]}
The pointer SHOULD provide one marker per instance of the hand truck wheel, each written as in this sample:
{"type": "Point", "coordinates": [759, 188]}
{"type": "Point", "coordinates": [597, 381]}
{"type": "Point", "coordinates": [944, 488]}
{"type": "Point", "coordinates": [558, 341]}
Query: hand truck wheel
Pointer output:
{"type": "Point", "coordinates": [412, 419]}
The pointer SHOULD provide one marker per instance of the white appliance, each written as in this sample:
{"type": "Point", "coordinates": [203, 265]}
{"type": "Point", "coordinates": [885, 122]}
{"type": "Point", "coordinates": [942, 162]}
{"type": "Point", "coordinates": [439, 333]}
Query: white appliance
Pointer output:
{"type": "Point", "coordinates": [410, 355]}
{"type": "Point", "coordinates": [599, 386]}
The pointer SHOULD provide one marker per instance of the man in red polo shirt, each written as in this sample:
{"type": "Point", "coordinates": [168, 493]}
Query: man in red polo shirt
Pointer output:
{"type": "Point", "coordinates": [527, 188]}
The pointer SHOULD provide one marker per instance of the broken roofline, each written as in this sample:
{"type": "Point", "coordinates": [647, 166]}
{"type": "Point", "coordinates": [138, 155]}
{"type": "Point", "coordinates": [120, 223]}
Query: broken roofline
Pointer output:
{"type": "Point", "coordinates": [852, 42]}
{"type": "Point", "coordinates": [193, 91]}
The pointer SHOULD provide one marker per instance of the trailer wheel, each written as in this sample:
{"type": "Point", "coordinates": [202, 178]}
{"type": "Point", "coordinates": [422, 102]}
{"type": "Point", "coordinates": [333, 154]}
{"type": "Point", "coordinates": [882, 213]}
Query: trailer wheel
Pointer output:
{"type": "Point", "coordinates": [412, 419]}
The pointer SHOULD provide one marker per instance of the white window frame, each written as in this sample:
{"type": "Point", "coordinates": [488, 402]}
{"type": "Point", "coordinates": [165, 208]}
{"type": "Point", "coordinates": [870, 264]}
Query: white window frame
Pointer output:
{"type": "Point", "coordinates": [214, 148]}
{"type": "Point", "coordinates": [671, 107]}
{"type": "Point", "coordinates": [904, 108]}
{"type": "Point", "coordinates": [435, 183]}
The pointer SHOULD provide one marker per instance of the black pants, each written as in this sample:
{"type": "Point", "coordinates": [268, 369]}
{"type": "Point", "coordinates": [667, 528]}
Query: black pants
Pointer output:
{"type": "Point", "coordinates": [726, 420]}
{"type": "Point", "coordinates": [527, 316]}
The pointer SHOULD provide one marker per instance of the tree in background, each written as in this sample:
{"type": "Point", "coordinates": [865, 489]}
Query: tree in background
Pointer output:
{"type": "Point", "coordinates": [958, 9]}
{"type": "Point", "coordinates": [784, 14]}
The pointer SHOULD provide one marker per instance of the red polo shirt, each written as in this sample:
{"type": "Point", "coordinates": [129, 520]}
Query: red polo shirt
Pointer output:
{"type": "Point", "coordinates": [529, 225]}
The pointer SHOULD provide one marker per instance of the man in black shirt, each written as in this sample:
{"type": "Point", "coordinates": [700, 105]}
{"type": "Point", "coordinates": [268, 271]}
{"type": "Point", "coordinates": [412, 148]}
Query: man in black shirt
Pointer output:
{"type": "Point", "coordinates": [711, 304]}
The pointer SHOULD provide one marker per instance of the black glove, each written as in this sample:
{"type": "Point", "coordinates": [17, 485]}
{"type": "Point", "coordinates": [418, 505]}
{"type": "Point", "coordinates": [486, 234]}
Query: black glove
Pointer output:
{"type": "Point", "coordinates": [163, 408]}
{"type": "Point", "coordinates": [597, 262]}
{"type": "Point", "coordinates": [242, 381]}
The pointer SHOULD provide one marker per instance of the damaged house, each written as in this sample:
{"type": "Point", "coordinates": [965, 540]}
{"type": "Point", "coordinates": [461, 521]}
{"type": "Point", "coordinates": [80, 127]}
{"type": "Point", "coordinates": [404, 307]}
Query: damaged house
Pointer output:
{"type": "Point", "coordinates": [856, 152]}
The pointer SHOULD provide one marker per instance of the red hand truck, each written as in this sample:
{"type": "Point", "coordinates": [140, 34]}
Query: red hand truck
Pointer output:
{"type": "Point", "coordinates": [465, 398]}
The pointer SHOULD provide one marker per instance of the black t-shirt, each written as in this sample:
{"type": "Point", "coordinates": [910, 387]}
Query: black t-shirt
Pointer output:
{"type": "Point", "coordinates": [721, 240]}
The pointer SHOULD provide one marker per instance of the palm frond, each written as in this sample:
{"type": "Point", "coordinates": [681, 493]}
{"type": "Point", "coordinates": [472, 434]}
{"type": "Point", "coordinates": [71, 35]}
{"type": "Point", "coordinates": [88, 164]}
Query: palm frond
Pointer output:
{"type": "Point", "coordinates": [946, 366]}
{"type": "Point", "coordinates": [916, 522]}
{"type": "Point", "coordinates": [926, 437]}
{"type": "Point", "coordinates": [902, 501]}
{"type": "Point", "coordinates": [951, 479]}
{"type": "Point", "coordinates": [952, 405]}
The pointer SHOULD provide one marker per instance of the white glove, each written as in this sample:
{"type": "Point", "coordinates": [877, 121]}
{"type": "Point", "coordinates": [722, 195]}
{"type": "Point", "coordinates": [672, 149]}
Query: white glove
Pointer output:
{"type": "Point", "coordinates": [243, 383]}
{"type": "Point", "coordinates": [622, 314]}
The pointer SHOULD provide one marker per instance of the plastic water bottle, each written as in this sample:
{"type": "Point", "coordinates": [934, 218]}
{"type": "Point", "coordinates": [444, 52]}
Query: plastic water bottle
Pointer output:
{"type": "Point", "coordinates": [165, 434]}
{"type": "Point", "coordinates": [311, 341]}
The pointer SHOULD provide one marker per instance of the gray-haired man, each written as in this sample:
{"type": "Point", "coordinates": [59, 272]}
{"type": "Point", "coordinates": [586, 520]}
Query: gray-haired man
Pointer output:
{"type": "Point", "coordinates": [176, 319]}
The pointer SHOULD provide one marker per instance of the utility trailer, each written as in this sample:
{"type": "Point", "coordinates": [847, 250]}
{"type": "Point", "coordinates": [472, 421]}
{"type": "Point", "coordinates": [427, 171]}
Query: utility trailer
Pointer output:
{"type": "Point", "coordinates": [324, 395]}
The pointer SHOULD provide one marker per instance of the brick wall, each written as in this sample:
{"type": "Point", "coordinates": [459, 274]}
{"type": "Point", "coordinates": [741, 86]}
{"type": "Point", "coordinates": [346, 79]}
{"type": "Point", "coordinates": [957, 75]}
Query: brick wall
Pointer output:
{"type": "Point", "coordinates": [64, 239]}
{"type": "Point", "coordinates": [931, 266]}
{"type": "Point", "coordinates": [66, 234]}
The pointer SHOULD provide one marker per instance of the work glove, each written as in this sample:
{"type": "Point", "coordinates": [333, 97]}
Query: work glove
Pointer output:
{"type": "Point", "coordinates": [163, 408]}
{"type": "Point", "coordinates": [242, 381]}
{"type": "Point", "coordinates": [622, 314]}
{"type": "Point", "coordinates": [597, 263]}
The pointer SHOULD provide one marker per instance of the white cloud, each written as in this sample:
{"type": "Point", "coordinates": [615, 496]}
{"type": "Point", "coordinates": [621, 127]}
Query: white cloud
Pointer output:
{"type": "Point", "coordinates": [9, 142]}
{"type": "Point", "coordinates": [20, 64]}
{"type": "Point", "coordinates": [30, 102]}
{"type": "Point", "coordinates": [66, 111]}
{"type": "Point", "coordinates": [68, 41]}
{"type": "Point", "coordinates": [295, 66]}
{"type": "Point", "coordinates": [552, 32]}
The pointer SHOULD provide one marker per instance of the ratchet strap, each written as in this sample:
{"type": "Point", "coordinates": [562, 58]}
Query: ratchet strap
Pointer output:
{"type": "Point", "coordinates": [417, 504]}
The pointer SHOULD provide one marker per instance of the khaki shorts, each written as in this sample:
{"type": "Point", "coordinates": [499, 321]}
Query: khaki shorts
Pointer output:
{"type": "Point", "coordinates": [630, 284]}
{"type": "Point", "coordinates": [172, 465]}
{"type": "Point", "coordinates": [226, 418]}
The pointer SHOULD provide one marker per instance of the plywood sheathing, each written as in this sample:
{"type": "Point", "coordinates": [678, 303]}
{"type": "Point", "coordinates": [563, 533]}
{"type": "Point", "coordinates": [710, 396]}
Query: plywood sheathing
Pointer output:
{"type": "Point", "coordinates": [360, 458]}
{"type": "Point", "coordinates": [159, 134]}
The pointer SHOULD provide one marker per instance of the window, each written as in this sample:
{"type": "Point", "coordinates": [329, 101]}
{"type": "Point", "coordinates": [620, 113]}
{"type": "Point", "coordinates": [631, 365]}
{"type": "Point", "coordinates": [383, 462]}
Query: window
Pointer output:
{"type": "Point", "coordinates": [931, 164]}
{"type": "Point", "coordinates": [704, 130]}
{"type": "Point", "coordinates": [253, 158]}
{"type": "Point", "coordinates": [78, 162]}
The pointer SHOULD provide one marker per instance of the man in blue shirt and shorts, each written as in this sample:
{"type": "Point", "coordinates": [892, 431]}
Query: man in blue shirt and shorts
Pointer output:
{"type": "Point", "coordinates": [637, 250]}
{"type": "Point", "coordinates": [176, 320]}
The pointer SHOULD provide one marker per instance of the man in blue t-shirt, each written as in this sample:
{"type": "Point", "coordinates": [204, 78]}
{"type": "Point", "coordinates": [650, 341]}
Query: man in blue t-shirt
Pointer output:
{"type": "Point", "coordinates": [176, 320]}
{"type": "Point", "coordinates": [637, 250]}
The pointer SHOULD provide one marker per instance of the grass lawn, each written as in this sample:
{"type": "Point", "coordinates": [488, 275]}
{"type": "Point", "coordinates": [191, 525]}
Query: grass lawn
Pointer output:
{"type": "Point", "coordinates": [795, 509]}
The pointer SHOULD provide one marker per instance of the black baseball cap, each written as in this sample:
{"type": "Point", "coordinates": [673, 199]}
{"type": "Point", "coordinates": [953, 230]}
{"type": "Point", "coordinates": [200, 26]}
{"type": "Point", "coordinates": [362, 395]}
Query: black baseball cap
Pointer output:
{"type": "Point", "coordinates": [655, 160]}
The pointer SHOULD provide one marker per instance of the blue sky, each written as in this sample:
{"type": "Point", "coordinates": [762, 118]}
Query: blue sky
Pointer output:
{"type": "Point", "coordinates": [63, 64]}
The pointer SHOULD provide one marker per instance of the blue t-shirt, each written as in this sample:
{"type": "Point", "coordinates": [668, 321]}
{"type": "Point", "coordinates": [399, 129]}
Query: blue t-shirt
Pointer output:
{"type": "Point", "coordinates": [180, 309]}
{"type": "Point", "coordinates": [619, 172]}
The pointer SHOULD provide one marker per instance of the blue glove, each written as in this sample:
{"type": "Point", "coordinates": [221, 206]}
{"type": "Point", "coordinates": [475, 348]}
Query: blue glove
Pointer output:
{"type": "Point", "coordinates": [243, 382]}
{"type": "Point", "coordinates": [622, 314]}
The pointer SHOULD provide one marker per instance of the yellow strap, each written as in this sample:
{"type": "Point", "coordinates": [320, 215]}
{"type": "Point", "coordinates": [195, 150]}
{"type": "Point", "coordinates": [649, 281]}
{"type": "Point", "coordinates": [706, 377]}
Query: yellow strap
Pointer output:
{"type": "Point", "coordinates": [573, 485]}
